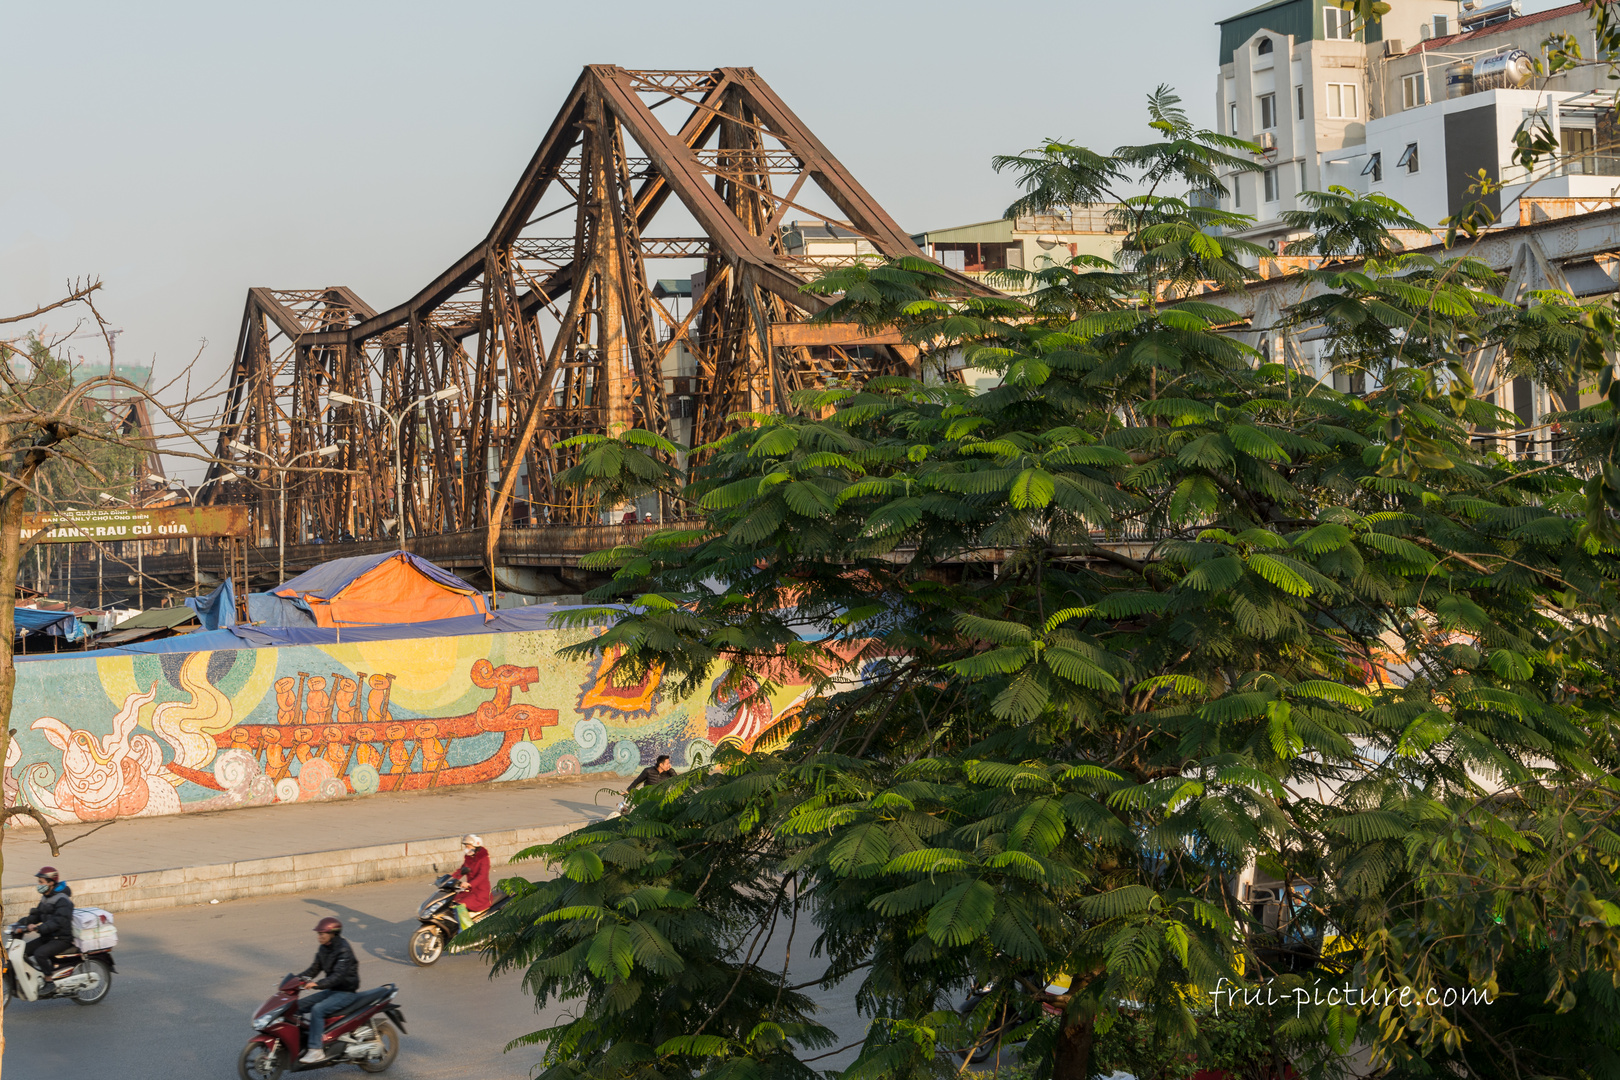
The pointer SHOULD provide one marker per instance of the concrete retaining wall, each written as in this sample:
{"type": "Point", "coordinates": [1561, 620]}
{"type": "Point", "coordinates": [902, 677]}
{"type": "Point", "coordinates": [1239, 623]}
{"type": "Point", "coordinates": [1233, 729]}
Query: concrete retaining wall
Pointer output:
{"type": "Point", "coordinates": [155, 889]}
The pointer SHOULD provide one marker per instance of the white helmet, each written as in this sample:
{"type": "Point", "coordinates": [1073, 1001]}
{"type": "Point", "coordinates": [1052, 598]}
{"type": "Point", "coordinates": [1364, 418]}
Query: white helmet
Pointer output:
{"type": "Point", "coordinates": [472, 840]}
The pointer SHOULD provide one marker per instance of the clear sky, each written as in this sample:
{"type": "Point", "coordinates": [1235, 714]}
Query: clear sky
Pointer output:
{"type": "Point", "coordinates": [184, 152]}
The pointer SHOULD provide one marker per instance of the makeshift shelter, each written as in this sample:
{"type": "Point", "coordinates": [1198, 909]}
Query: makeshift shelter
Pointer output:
{"type": "Point", "coordinates": [154, 621]}
{"type": "Point", "coordinates": [62, 623]}
{"type": "Point", "coordinates": [376, 590]}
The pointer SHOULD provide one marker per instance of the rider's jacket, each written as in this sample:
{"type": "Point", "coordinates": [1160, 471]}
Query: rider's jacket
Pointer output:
{"type": "Point", "coordinates": [335, 961]}
{"type": "Point", "coordinates": [54, 913]}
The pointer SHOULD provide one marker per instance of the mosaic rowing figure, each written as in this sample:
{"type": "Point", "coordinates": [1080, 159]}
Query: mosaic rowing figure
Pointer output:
{"type": "Point", "coordinates": [406, 753]}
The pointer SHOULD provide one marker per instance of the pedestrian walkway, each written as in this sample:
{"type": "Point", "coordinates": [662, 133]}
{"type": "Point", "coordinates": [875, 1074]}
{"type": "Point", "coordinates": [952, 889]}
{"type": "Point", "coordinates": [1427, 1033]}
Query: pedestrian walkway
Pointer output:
{"type": "Point", "coordinates": [260, 850]}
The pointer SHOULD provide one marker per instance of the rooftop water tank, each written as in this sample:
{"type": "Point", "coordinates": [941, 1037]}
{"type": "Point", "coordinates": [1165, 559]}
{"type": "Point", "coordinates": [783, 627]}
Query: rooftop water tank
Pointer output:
{"type": "Point", "coordinates": [1504, 71]}
{"type": "Point", "coordinates": [1460, 79]}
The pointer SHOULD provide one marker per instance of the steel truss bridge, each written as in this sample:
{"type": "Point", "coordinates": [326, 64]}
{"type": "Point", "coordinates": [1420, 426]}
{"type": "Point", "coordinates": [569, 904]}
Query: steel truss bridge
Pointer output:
{"type": "Point", "coordinates": [547, 329]}
{"type": "Point", "coordinates": [550, 328]}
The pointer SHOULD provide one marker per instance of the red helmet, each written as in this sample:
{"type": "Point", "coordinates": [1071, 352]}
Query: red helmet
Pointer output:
{"type": "Point", "coordinates": [49, 872]}
{"type": "Point", "coordinates": [329, 925]}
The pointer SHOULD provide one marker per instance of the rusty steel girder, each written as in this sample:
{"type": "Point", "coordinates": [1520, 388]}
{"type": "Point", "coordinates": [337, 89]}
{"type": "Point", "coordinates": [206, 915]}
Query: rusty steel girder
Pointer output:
{"type": "Point", "coordinates": [547, 334]}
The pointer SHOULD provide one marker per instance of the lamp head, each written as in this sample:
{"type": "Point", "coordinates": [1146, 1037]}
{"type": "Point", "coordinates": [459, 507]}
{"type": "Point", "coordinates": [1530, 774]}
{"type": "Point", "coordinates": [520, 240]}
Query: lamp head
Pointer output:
{"type": "Point", "coordinates": [104, 497]}
{"type": "Point", "coordinates": [242, 446]}
{"type": "Point", "coordinates": [342, 399]}
{"type": "Point", "coordinates": [154, 478]}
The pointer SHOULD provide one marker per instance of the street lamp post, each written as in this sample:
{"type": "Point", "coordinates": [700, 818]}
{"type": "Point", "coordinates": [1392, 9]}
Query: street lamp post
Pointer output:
{"type": "Point", "coordinates": [281, 471]}
{"type": "Point", "coordinates": [396, 419]}
{"type": "Point", "coordinates": [191, 497]}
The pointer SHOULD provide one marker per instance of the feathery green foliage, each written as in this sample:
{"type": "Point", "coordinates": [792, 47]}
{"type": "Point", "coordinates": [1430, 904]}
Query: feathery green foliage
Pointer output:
{"type": "Point", "coordinates": [1237, 619]}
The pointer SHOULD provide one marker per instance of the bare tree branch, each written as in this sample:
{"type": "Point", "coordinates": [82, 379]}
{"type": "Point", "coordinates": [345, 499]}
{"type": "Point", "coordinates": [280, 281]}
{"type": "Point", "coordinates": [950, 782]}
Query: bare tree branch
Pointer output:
{"type": "Point", "coordinates": [78, 293]}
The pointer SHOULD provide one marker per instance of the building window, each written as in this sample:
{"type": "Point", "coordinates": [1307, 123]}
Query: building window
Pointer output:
{"type": "Point", "coordinates": [1374, 167]}
{"type": "Point", "coordinates": [1268, 111]}
{"type": "Point", "coordinates": [1442, 25]}
{"type": "Point", "coordinates": [1409, 158]}
{"type": "Point", "coordinates": [1264, 47]}
{"type": "Point", "coordinates": [1412, 91]}
{"type": "Point", "coordinates": [1301, 174]}
{"type": "Point", "coordinates": [977, 257]}
{"type": "Point", "coordinates": [1336, 24]}
{"type": "Point", "coordinates": [1237, 191]}
{"type": "Point", "coordinates": [1576, 144]}
{"type": "Point", "coordinates": [1270, 176]}
{"type": "Point", "coordinates": [1299, 102]}
{"type": "Point", "coordinates": [1233, 107]}
{"type": "Point", "coordinates": [1343, 101]}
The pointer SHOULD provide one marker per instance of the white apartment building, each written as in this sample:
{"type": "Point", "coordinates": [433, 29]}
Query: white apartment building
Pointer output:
{"type": "Point", "coordinates": [1394, 107]}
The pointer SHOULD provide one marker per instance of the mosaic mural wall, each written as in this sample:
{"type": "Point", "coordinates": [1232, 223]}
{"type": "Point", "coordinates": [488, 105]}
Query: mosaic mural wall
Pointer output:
{"type": "Point", "coordinates": [178, 732]}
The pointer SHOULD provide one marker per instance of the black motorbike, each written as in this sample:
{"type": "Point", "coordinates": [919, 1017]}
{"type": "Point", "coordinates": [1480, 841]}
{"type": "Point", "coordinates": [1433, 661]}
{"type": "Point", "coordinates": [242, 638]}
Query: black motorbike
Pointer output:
{"type": "Point", "coordinates": [439, 924]}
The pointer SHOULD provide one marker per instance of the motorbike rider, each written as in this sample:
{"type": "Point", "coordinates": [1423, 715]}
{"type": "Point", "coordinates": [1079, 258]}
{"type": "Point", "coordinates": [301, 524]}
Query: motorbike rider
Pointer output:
{"type": "Point", "coordinates": [51, 918]}
{"type": "Point", "coordinates": [652, 774]}
{"type": "Point", "coordinates": [474, 879]}
{"type": "Point", "coordinates": [339, 978]}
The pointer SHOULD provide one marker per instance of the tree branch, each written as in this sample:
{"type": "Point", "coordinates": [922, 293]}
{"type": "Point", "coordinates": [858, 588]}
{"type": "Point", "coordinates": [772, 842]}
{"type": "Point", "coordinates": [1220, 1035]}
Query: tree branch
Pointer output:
{"type": "Point", "coordinates": [44, 823]}
{"type": "Point", "coordinates": [74, 297]}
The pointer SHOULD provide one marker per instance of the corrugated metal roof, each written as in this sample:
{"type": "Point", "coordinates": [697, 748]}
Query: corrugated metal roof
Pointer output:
{"type": "Point", "coordinates": [1253, 11]}
{"type": "Point", "coordinates": [161, 618]}
{"type": "Point", "coordinates": [122, 636]}
{"type": "Point", "coordinates": [1297, 19]}
{"type": "Point", "coordinates": [1485, 31]}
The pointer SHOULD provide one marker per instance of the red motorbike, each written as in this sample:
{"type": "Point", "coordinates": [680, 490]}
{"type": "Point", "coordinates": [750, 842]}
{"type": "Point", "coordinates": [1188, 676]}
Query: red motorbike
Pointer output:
{"type": "Point", "coordinates": [364, 1034]}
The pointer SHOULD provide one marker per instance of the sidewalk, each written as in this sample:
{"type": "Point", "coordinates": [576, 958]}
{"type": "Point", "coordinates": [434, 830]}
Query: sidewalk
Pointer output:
{"type": "Point", "coordinates": [145, 863]}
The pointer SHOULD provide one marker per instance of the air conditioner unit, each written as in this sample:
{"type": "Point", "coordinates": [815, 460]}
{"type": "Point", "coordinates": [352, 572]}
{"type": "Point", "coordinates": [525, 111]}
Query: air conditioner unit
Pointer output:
{"type": "Point", "coordinates": [1394, 47]}
{"type": "Point", "coordinates": [1267, 140]}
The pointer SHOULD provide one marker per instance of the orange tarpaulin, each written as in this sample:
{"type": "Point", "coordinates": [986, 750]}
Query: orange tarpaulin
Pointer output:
{"type": "Point", "coordinates": [393, 590]}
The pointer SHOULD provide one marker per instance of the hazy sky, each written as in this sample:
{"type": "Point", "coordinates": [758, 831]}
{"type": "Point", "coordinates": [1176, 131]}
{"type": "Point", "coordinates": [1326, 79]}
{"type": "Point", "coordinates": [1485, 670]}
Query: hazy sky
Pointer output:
{"type": "Point", "coordinates": [185, 152]}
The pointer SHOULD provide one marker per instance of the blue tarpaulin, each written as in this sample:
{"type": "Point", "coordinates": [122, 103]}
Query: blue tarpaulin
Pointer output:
{"type": "Point", "coordinates": [217, 609]}
{"type": "Point", "coordinates": [536, 617]}
{"type": "Point", "coordinates": [268, 609]}
{"type": "Point", "coordinates": [62, 624]}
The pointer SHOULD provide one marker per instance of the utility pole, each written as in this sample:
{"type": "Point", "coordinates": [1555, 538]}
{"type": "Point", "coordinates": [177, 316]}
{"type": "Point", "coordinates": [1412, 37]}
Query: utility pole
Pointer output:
{"type": "Point", "coordinates": [191, 499]}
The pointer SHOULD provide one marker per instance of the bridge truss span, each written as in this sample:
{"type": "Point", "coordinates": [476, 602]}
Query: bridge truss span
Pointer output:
{"type": "Point", "coordinates": [551, 326]}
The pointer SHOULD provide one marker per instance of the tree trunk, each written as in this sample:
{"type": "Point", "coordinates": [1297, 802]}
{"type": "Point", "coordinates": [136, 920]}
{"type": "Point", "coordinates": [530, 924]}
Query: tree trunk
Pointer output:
{"type": "Point", "coordinates": [11, 512]}
{"type": "Point", "coordinates": [24, 466]}
{"type": "Point", "coordinates": [1071, 1058]}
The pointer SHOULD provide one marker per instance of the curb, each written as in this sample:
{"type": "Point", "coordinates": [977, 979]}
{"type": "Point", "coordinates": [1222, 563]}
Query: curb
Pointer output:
{"type": "Point", "coordinates": [184, 886]}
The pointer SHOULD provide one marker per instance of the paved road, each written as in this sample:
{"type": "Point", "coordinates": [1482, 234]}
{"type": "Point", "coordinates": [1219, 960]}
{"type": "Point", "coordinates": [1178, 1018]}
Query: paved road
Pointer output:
{"type": "Point", "coordinates": [188, 979]}
{"type": "Point", "coordinates": [137, 845]}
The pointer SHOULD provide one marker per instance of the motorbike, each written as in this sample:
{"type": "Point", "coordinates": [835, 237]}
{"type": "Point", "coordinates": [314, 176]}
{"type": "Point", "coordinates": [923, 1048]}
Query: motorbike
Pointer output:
{"type": "Point", "coordinates": [364, 1034]}
{"type": "Point", "coordinates": [81, 977]}
{"type": "Point", "coordinates": [1003, 1030]}
{"type": "Point", "coordinates": [439, 923]}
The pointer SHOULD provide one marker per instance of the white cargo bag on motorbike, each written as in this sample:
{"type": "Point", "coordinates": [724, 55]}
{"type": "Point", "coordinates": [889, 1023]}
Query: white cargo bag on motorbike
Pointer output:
{"type": "Point", "coordinates": [93, 929]}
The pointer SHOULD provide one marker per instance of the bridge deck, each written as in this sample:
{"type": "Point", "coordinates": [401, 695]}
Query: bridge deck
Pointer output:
{"type": "Point", "coordinates": [558, 549]}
